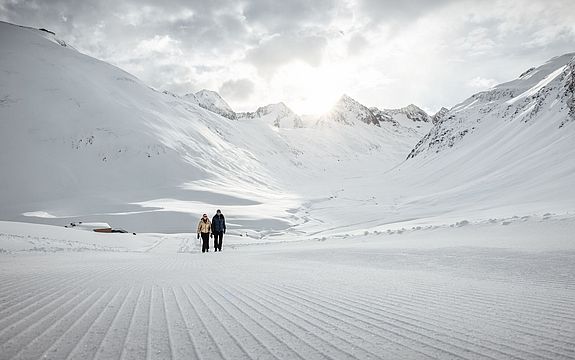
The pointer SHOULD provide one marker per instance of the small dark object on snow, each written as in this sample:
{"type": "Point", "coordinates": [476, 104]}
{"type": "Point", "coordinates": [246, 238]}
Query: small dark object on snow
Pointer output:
{"type": "Point", "coordinates": [98, 227]}
{"type": "Point", "coordinates": [48, 31]}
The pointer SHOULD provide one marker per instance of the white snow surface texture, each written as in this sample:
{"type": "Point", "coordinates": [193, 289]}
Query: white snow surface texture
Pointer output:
{"type": "Point", "coordinates": [364, 234]}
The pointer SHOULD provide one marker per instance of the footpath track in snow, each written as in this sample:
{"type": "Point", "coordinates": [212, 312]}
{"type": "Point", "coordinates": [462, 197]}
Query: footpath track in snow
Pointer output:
{"type": "Point", "coordinates": [288, 301]}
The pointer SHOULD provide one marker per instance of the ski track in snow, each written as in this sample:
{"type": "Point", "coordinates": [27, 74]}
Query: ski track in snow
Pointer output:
{"type": "Point", "coordinates": [249, 304]}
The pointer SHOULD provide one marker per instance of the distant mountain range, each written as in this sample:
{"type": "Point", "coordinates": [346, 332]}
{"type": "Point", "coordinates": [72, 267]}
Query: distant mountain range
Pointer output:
{"type": "Point", "coordinates": [346, 111]}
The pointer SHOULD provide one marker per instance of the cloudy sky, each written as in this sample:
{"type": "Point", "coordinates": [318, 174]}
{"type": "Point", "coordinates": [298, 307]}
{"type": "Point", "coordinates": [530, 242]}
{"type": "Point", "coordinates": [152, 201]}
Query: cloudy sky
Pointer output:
{"type": "Point", "coordinates": [308, 53]}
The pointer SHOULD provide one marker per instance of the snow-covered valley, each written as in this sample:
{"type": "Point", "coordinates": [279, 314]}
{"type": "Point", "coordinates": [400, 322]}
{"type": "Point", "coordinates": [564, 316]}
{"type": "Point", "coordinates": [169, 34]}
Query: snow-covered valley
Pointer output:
{"type": "Point", "coordinates": [365, 233]}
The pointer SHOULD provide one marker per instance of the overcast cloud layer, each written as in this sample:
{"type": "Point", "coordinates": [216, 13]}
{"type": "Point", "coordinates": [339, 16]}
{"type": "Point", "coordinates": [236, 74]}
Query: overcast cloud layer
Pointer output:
{"type": "Point", "coordinates": [307, 53]}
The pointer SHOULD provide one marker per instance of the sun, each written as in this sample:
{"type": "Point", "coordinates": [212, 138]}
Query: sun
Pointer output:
{"type": "Point", "coordinates": [316, 102]}
{"type": "Point", "coordinates": [308, 90]}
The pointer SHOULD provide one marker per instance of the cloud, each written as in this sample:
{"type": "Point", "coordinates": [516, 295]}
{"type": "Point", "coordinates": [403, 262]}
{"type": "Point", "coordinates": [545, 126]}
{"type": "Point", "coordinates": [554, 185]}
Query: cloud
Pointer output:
{"type": "Point", "coordinates": [478, 41]}
{"type": "Point", "coordinates": [159, 45]}
{"type": "Point", "coordinates": [237, 90]}
{"type": "Point", "coordinates": [482, 83]}
{"type": "Point", "coordinates": [289, 16]}
{"type": "Point", "coordinates": [385, 11]}
{"type": "Point", "coordinates": [262, 51]}
{"type": "Point", "coordinates": [356, 45]}
{"type": "Point", "coordinates": [283, 49]}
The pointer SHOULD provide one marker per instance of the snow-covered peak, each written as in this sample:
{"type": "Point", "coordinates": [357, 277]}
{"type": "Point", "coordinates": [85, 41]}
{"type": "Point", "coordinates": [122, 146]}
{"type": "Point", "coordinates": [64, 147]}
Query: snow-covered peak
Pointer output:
{"type": "Point", "coordinates": [348, 111]}
{"type": "Point", "coordinates": [278, 115]}
{"type": "Point", "coordinates": [412, 112]}
{"type": "Point", "coordinates": [212, 101]}
{"type": "Point", "coordinates": [410, 116]}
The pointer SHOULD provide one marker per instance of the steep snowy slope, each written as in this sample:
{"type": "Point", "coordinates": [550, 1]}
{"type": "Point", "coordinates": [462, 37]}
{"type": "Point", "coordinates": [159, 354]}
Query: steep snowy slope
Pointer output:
{"type": "Point", "coordinates": [511, 145]}
{"type": "Point", "coordinates": [80, 137]}
{"type": "Point", "coordinates": [543, 94]}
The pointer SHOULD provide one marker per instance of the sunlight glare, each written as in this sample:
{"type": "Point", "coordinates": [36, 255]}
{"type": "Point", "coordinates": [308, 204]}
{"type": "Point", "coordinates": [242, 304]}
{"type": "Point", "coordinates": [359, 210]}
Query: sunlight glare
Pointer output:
{"type": "Point", "coordinates": [311, 90]}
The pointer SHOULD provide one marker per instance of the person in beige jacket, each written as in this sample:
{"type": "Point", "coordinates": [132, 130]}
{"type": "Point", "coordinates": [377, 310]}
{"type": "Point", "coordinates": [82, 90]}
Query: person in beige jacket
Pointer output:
{"type": "Point", "coordinates": [204, 228]}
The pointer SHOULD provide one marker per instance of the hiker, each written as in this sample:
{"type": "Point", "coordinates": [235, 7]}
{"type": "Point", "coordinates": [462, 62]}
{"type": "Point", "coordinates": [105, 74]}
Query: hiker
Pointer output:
{"type": "Point", "coordinates": [204, 228]}
{"type": "Point", "coordinates": [218, 229]}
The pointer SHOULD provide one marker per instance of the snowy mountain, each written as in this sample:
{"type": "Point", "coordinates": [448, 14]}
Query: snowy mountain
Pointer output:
{"type": "Point", "coordinates": [277, 115]}
{"type": "Point", "coordinates": [508, 150]}
{"type": "Point", "coordinates": [348, 111]}
{"type": "Point", "coordinates": [412, 113]}
{"type": "Point", "coordinates": [410, 116]}
{"type": "Point", "coordinates": [540, 97]}
{"type": "Point", "coordinates": [212, 101]}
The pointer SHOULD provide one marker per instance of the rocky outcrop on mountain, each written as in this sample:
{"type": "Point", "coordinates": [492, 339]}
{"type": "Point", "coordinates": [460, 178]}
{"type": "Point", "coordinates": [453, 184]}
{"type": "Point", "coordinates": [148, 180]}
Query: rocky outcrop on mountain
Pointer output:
{"type": "Point", "coordinates": [348, 111]}
{"type": "Point", "coordinates": [542, 94]}
{"type": "Point", "coordinates": [383, 116]}
{"type": "Point", "coordinates": [569, 91]}
{"type": "Point", "coordinates": [438, 117]}
{"type": "Point", "coordinates": [277, 115]}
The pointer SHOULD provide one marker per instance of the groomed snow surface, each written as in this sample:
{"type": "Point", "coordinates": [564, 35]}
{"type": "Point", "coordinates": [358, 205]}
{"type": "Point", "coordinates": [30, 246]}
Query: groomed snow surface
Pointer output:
{"type": "Point", "coordinates": [409, 293]}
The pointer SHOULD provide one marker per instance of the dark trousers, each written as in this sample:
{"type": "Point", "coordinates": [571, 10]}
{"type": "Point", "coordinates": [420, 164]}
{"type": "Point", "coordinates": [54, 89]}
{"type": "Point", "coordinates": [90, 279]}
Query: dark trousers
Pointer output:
{"type": "Point", "coordinates": [218, 237]}
{"type": "Point", "coordinates": [205, 242]}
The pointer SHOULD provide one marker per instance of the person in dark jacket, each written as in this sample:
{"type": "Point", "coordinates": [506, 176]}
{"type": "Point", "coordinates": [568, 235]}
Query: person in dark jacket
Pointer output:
{"type": "Point", "coordinates": [218, 229]}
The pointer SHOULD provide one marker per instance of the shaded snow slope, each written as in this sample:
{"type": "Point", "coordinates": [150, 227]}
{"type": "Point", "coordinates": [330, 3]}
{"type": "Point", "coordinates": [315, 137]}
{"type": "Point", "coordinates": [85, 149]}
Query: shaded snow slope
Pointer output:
{"type": "Point", "coordinates": [80, 137]}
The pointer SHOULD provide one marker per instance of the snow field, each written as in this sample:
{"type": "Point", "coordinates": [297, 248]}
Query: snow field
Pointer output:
{"type": "Point", "coordinates": [363, 297]}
